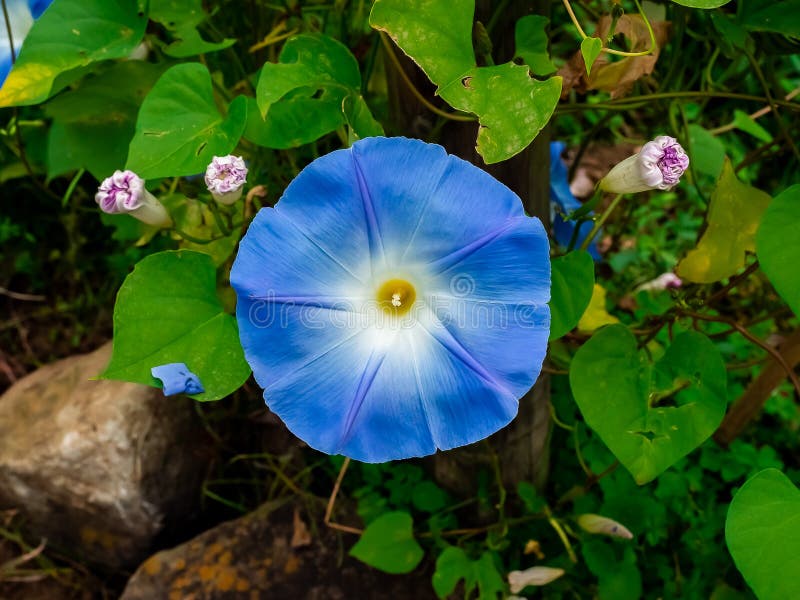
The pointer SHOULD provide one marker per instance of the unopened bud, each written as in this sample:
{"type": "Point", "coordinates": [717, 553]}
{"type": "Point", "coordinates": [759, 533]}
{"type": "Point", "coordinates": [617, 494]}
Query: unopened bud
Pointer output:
{"type": "Point", "coordinates": [603, 525]}
{"type": "Point", "coordinates": [665, 281]}
{"type": "Point", "coordinates": [225, 178]}
{"type": "Point", "coordinates": [518, 580]}
{"type": "Point", "coordinates": [124, 192]}
{"type": "Point", "coordinates": [658, 165]}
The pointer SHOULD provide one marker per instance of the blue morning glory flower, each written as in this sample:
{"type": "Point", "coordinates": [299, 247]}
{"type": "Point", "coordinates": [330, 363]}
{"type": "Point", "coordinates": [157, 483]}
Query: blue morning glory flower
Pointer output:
{"type": "Point", "coordinates": [177, 379]}
{"type": "Point", "coordinates": [561, 197]}
{"type": "Point", "coordinates": [394, 301]}
{"type": "Point", "coordinates": [21, 15]}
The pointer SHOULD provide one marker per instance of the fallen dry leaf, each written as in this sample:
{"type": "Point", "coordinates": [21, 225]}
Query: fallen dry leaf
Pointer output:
{"type": "Point", "coordinates": [616, 75]}
{"type": "Point", "coordinates": [300, 534]}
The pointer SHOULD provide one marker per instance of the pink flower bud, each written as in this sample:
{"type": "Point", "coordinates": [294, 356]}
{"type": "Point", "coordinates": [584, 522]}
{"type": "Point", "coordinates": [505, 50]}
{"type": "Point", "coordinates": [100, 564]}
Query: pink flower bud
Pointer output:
{"type": "Point", "coordinates": [665, 281]}
{"type": "Point", "coordinates": [225, 178]}
{"type": "Point", "coordinates": [658, 165]}
{"type": "Point", "coordinates": [124, 192]}
{"type": "Point", "coordinates": [604, 525]}
{"type": "Point", "coordinates": [518, 580]}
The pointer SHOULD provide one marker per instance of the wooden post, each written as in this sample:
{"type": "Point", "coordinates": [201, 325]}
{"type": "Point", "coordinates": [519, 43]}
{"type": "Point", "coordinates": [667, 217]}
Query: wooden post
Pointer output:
{"type": "Point", "coordinates": [522, 447]}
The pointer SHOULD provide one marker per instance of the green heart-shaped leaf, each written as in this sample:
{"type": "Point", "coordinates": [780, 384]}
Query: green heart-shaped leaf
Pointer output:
{"type": "Point", "coordinates": [591, 48]}
{"type": "Point", "coordinates": [648, 415]}
{"type": "Point", "coordinates": [778, 247]}
{"type": "Point", "coordinates": [388, 544]}
{"type": "Point", "coordinates": [167, 311]}
{"type": "Point", "coordinates": [179, 128]}
{"type": "Point", "coordinates": [763, 535]}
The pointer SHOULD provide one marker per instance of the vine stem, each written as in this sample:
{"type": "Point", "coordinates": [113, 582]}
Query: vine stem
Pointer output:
{"type": "Point", "coordinates": [734, 281]}
{"type": "Point", "coordinates": [753, 339]}
{"type": "Point", "coordinates": [756, 115]}
{"type": "Point", "coordinates": [561, 534]}
{"type": "Point", "coordinates": [417, 94]}
{"type": "Point", "coordinates": [600, 222]}
{"type": "Point", "coordinates": [773, 106]}
{"type": "Point", "coordinates": [632, 102]}
{"type": "Point", "coordinates": [332, 502]}
{"type": "Point", "coordinates": [650, 50]}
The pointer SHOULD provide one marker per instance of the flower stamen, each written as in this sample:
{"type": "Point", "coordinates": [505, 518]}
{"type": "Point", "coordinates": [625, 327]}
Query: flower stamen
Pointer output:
{"type": "Point", "coordinates": [396, 296]}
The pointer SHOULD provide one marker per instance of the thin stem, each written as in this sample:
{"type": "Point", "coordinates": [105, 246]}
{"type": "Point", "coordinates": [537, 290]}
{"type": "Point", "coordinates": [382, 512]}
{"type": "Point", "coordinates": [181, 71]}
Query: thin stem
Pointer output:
{"type": "Point", "coordinates": [501, 7]}
{"type": "Point", "coordinates": [20, 296]}
{"type": "Point", "coordinates": [417, 94]}
{"type": "Point", "coordinates": [734, 281]}
{"type": "Point", "coordinates": [579, 454]}
{"type": "Point", "coordinates": [561, 534]}
{"type": "Point", "coordinates": [600, 222]}
{"type": "Point", "coordinates": [574, 19]}
{"type": "Point", "coordinates": [765, 86]}
{"type": "Point", "coordinates": [224, 229]}
{"type": "Point", "coordinates": [749, 336]}
{"type": "Point", "coordinates": [634, 101]}
{"type": "Point", "coordinates": [196, 240]}
{"type": "Point", "coordinates": [558, 421]}
{"type": "Point", "coordinates": [332, 501]}
{"type": "Point", "coordinates": [8, 32]}
{"type": "Point", "coordinates": [71, 188]}
{"type": "Point", "coordinates": [653, 43]}
{"type": "Point", "coordinates": [756, 115]}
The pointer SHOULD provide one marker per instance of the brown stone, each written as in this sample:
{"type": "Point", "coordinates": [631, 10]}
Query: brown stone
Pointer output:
{"type": "Point", "coordinates": [253, 557]}
{"type": "Point", "coordinates": [96, 467]}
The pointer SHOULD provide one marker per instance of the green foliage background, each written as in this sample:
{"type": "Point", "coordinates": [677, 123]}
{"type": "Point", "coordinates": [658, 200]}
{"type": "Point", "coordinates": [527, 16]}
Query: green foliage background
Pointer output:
{"type": "Point", "coordinates": [634, 403]}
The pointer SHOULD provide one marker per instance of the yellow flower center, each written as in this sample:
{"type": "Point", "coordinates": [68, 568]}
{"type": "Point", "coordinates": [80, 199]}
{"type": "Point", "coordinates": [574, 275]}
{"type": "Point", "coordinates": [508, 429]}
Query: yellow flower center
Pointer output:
{"type": "Point", "coordinates": [396, 296]}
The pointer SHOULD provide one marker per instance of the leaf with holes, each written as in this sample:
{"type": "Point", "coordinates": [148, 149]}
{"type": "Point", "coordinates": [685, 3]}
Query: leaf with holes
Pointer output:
{"type": "Point", "coordinates": [181, 18]}
{"type": "Point", "coordinates": [179, 128]}
{"type": "Point", "coordinates": [512, 108]}
{"type": "Point", "coordinates": [71, 34]}
{"type": "Point", "coordinates": [167, 311]}
{"type": "Point", "coordinates": [649, 415]}
{"type": "Point", "coordinates": [762, 531]}
{"type": "Point", "coordinates": [314, 88]}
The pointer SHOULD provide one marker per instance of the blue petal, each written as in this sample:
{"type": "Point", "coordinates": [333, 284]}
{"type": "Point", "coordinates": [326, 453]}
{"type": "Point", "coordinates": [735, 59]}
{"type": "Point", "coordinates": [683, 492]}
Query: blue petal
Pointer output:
{"type": "Point", "coordinates": [5, 66]}
{"type": "Point", "coordinates": [355, 400]}
{"type": "Point", "coordinates": [562, 197]}
{"type": "Point", "coordinates": [324, 203]}
{"type": "Point", "coordinates": [37, 7]}
{"type": "Point", "coordinates": [277, 260]}
{"type": "Point", "coordinates": [510, 265]}
{"type": "Point", "coordinates": [560, 193]}
{"type": "Point", "coordinates": [20, 20]}
{"type": "Point", "coordinates": [177, 379]}
{"type": "Point", "coordinates": [427, 203]}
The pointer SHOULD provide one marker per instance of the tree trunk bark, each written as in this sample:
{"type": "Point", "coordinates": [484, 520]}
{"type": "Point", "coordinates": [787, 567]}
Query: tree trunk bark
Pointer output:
{"type": "Point", "coordinates": [522, 447]}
